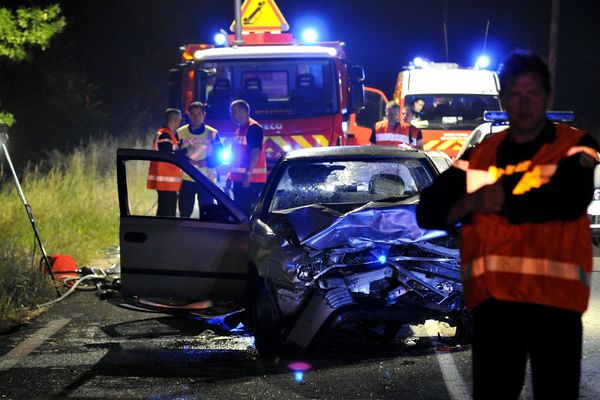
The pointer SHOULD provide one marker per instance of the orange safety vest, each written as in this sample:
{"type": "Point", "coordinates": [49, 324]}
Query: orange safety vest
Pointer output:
{"type": "Point", "coordinates": [548, 263]}
{"type": "Point", "coordinates": [161, 175]}
{"type": "Point", "coordinates": [384, 135]}
{"type": "Point", "coordinates": [239, 151]}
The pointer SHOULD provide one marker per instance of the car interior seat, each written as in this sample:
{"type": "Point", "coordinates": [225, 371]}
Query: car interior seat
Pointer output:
{"type": "Point", "coordinates": [306, 91]}
{"type": "Point", "coordinates": [442, 110]}
{"type": "Point", "coordinates": [388, 185]}
{"type": "Point", "coordinates": [220, 97]}
{"type": "Point", "coordinates": [253, 92]}
{"type": "Point", "coordinates": [476, 110]}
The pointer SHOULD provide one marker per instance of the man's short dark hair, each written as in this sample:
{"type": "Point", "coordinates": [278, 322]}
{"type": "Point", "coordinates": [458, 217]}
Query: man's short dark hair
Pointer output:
{"type": "Point", "coordinates": [197, 104]}
{"type": "Point", "coordinates": [171, 113]}
{"type": "Point", "coordinates": [523, 62]}
{"type": "Point", "coordinates": [391, 104]}
{"type": "Point", "coordinates": [243, 104]}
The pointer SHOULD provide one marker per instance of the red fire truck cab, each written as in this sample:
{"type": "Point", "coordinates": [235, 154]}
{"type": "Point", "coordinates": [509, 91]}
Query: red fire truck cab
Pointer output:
{"type": "Point", "coordinates": [303, 95]}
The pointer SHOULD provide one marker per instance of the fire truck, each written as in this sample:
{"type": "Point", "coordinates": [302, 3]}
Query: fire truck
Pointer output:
{"type": "Point", "coordinates": [303, 94]}
{"type": "Point", "coordinates": [455, 99]}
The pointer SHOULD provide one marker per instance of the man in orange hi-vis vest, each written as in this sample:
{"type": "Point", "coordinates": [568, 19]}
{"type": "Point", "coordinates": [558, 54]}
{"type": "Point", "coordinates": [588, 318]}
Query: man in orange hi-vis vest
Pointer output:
{"type": "Point", "coordinates": [395, 129]}
{"type": "Point", "coordinates": [165, 178]}
{"type": "Point", "coordinates": [521, 196]}
{"type": "Point", "coordinates": [249, 166]}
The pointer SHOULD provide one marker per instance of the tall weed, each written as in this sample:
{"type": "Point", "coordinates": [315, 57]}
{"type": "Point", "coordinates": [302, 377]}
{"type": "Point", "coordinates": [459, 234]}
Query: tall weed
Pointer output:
{"type": "Point", "coordinates": [73, 198]}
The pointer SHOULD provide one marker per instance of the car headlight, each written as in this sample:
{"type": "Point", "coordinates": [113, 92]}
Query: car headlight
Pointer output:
{"type": "Point", "coordinates": [306, 272]}
{"type": "Point", "coordinates": [597, 194]}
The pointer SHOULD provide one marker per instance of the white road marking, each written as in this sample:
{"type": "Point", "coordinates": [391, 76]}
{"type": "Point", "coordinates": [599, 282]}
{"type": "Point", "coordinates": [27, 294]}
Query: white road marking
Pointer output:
{"type": "Point", "coordinates": [11, 358]}
{"type": "Point", "coordinates": [455, 384]}
{"type": "Point", "coordinates": [70, 359]}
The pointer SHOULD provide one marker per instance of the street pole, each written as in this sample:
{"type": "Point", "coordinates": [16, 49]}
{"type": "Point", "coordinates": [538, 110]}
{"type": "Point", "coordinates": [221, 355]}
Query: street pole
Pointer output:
{"type": "Point", "coordinates": [553, 43]}
{"type": "Point", "coordinates": [487, 29]}
{"type": "Point", "coordinates": [238, 22]}
{"type": "Point", "coordinates": [446, 30]}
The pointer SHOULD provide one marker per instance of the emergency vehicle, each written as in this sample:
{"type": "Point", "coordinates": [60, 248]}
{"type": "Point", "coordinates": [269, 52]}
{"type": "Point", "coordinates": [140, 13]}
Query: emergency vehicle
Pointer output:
{"type": "Point", "coordinates": [301, 93]}
{"type": "Point", "coordinates": [455, 100]}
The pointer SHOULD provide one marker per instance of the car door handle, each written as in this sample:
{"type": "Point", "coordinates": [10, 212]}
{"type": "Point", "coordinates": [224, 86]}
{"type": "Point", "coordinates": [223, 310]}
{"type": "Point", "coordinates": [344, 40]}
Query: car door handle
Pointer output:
{"type": "Point", "coordinates": [134, 237]}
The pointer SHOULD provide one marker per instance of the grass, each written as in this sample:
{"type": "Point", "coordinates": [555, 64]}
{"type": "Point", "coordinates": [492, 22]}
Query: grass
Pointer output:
{"type": "Point", "coordinates": [73, 198]}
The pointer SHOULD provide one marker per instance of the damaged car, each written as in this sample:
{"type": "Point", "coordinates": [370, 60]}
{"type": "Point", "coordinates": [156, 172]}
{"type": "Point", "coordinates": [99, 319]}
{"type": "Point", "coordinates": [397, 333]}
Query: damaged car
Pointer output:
{"type": "Point", "coordinates": [333, 241]}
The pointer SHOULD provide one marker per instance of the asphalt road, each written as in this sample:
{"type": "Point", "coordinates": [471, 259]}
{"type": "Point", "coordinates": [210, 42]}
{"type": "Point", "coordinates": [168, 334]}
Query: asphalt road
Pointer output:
{"type": "Point", "coordinates": [87, 348]}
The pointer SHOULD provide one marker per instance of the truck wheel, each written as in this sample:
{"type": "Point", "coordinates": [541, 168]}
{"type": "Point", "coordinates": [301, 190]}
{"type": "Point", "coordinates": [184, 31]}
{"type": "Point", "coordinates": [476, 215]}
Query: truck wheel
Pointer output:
{"type": "Point", "coordinates": [263, 316]}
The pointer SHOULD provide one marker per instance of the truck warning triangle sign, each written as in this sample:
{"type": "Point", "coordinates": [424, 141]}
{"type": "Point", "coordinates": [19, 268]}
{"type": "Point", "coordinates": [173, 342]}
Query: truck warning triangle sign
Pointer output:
{"type": "Point", "coordinates": [261, 16]}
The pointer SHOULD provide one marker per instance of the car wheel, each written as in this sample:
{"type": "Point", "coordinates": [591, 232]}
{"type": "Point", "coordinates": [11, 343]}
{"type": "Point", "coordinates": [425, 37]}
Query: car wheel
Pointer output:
{"type": "Point", "coordinates": [596, 241]}
{"type": "Point", "coordinates": [380, 334]}
{"type": "Point", "coordinates": [263, 315]}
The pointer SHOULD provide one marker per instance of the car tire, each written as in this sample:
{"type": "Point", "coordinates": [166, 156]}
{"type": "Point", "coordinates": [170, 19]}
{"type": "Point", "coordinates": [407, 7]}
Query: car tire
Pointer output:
{"type": "Point", "coordinates": [263, 316]}
{"type": "Point", "coordinates": [380, 334]}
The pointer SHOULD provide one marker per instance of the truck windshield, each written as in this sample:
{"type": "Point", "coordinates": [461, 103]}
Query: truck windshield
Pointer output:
{"type": "Point", "coordinates": [452, 111]}
{"type": "Point", "coordinates": [280, 88]}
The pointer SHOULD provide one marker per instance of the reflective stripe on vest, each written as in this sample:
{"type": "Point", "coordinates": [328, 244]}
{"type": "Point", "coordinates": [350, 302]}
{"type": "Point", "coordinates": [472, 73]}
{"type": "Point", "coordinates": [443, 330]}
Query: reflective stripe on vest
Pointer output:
{"type": "Point", "coordinates": [164, 176]}
{"type": "Point", "coordinates": [198, 149]}
{"type": "Point", "coordinates": [584, 149]}
{"type": "Point", "coordinates": [527, 266]}
{"type": "Point", "coordinates": [461, 164]}
{"type": "Point", "coordinates": [547, 263]}
{"type": "Point", "coordinates": [384, 135]}
{"type": "Point", "coordinates": [391, 138]}
{"type": "Point", "coordinates": [239, 150]}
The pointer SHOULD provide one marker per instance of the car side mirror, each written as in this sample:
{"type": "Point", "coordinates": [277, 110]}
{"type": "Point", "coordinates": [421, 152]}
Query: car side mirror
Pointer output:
{"type": "Point", "coordinates": [175, 75]}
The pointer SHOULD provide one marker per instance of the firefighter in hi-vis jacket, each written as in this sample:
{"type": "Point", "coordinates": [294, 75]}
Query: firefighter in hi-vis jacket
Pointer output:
{"type": "Point", "coordinates": [396, 128]}
{"type": "Point", "coordinates": [165, 178]}
{"type": "Point", "coordinates": [521, 196]}
{"type": "Point", "coordinates": [248, 167]}
{"type": "Point", "coordinates": [201, 144]}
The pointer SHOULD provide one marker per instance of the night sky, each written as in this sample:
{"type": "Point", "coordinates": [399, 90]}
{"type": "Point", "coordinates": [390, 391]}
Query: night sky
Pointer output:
{"type": "Point", "coordinates": [125, 48]}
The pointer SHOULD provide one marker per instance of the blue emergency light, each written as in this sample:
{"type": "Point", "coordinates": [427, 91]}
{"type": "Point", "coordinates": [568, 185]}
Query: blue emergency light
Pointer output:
{"type": "Point", "coordinates": [482, 62]}
{"type": "Point", "coordinates": [560, 116]}
{"type": "Point", "coordinates": [419, 62]}
{"type": "Point", "coordinates": [495, 116]}
{"type": "Point", "coordinates": [225, 155]}
{"type": "Point", "coordinates": [502, 116]}
{"type": "Point", "coordinates": [310, 35]}
{"type": "Point", "coordinates": [220, 39]}
{"type": "Point", "coordinates": [382, 259]}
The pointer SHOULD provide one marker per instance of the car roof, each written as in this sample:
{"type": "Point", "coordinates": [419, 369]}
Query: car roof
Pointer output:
{"type": "Point", "coordinates": [352, 151]}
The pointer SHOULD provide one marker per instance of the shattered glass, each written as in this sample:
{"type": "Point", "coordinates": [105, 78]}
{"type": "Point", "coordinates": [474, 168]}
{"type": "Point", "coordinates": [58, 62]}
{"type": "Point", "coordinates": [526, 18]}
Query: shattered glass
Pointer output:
{"type": "Point", "coordinates": [350, 182]}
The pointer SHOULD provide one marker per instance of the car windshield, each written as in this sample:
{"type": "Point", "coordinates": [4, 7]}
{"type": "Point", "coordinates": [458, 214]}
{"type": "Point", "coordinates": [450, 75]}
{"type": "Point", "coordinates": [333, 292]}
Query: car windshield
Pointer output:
{"type": "Point", "coordinates": [354, 181]}
{"type": "Point", "coordinates": [274, 88]}
{"type": "Point", "coordinates": [454, 111]}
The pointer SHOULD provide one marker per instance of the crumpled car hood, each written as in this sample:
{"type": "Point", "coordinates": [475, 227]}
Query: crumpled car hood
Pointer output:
{"type": "Point", "coordinates": [320, 227]}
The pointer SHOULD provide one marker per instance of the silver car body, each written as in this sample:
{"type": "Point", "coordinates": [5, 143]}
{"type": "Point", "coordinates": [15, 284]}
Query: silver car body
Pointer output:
{"type": "Point", "coordinates": [333, 238]}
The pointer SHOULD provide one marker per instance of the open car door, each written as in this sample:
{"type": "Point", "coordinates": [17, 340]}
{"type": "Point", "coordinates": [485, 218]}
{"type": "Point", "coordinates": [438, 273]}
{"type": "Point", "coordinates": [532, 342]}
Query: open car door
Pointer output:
{"type": "Point", "coordinates": [203, 257]}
